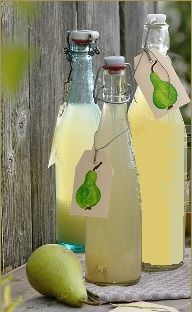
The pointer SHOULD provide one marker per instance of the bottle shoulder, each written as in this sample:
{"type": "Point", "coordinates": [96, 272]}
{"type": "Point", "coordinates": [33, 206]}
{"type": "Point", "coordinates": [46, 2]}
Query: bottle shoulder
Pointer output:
{"type": "Point", "coordinates": [78, 118]}
{"type": "Point", "coordinates": [81, 110]}
{"type": "Point", "coordinates": [140, 111]}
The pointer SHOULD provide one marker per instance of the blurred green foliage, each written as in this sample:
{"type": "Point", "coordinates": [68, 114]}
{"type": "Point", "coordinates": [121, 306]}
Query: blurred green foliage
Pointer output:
{"type": "Point", "coordinates": [8, 305]}
{"type": "Point", "coordinates": [27, 8]}
{"type": "Point", "coordinates": [15, 61]}
{"type": "Point", "coordinates": [179, 20]}
{"type": "Point", "coordinates": [15, 55]}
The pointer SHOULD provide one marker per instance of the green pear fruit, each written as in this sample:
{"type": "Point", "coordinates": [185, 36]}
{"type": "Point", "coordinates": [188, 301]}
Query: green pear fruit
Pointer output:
{"type": "Point", "coordinates": [164, 94]}
{"type": "Point", "coordinates": [88, 194]}
{"type": "Point", "coordinates": [55, 271]}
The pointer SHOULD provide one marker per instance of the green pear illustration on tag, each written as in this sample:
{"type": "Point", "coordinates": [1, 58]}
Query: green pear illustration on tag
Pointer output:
{"type": "Point", "coordinates": [88, 194]}
{"type": "Point", "coordinates": [164, 94]}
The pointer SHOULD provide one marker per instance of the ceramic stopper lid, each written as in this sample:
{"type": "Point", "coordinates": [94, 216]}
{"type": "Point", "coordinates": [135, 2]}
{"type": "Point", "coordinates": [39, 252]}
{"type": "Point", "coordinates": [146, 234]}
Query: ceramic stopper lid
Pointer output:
{"type": "Point", "coordinates": [84, 35]}
{"type": "Point", "coordinates": [114, 60]}
{"type": "Point", "coordinates": [156, 18]}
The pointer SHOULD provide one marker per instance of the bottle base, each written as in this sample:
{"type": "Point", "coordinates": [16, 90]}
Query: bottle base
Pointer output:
{"type": "Point", "coordinates": [133, 282]}
{"type": "Point", "coordinates": [147, 267]}
{"type": "Point", "coordinates": [77, 248]}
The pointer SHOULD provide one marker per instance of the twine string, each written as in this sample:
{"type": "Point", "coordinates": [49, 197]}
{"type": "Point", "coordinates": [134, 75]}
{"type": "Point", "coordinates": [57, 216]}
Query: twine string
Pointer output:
{"type": "Point", "coordinates": [100, 148]}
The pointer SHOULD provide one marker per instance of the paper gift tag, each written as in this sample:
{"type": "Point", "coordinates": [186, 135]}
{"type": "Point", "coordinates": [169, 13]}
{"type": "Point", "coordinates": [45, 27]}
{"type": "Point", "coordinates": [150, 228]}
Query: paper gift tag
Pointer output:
{"type": "Point", "coordinates": [143, 307]}
{"type": "Point", "coordinates": [92, 185]}
{"type": "Point", "coordinates": [159, 83]}
{"type": "Point", "coordinates": [52, 158]}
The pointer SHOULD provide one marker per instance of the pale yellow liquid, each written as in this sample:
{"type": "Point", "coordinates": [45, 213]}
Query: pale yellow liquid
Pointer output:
{"type": "Point", "coordinates": [159, 150]}
{"type": "Point", "coordinates": [75, 134]}
{"type": "Point", "coordinates": [113, 245]}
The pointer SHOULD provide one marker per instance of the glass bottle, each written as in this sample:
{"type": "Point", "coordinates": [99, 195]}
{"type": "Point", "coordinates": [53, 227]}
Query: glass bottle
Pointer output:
{"type": "Point", "coordinates": [113, 245]}
{"type": "Point", "coordinates": [159, 150]}
{"type": "Point", "coordinates": [74, 135]}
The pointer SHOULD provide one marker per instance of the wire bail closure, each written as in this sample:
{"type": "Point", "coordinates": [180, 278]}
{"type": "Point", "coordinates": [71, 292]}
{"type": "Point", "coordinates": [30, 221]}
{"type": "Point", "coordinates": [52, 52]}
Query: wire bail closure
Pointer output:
{"type": "Point", "coordinates": [96, 96]}
{"type": "Point", "coordinates": [93, 49]}
{"type": "Point", "coordinates": [97, 92]}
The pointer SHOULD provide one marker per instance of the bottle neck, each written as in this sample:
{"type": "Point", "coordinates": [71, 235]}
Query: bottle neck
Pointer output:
{"type": "Point", "coordinates": [115, 86]}
{"type": "Point", "coordinates": [114, 112]}
{"type": "Point", "coordinates": [114, 91]}
{"type": "Point", "coordinates": [158, 37]}
{"type": "Point", "coordinates": [113, 122]}
{"type": "Point", "coordinates": [81, 87]}
{"type": "Point", "coordinates": [114, 116]}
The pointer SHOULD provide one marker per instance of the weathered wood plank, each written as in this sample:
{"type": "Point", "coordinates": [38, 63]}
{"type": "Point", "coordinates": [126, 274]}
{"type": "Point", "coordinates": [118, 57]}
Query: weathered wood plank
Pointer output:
{"type": "Point", "coordinates": [102, 16]}
{"type": "Point", "coordinates": [28, 191]}
{"type": "Point", "coordinates": [132, 18]}
{"type": "Point", "coordinates": [48, 37]}
{"type": "Point", "coordinates": [15, 161]}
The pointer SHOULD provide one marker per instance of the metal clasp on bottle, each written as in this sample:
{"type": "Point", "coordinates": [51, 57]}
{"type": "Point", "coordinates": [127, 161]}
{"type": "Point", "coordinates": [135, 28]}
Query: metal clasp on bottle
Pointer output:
{"type": "Point", "coordinates": [93, 49]}
{"type": "Point", "coordinates": [128, 95]}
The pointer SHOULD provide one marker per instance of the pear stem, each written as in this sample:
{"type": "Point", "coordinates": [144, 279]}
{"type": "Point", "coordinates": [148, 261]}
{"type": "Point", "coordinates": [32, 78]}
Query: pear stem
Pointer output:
{"type": "Point", "coordinates": [153, 66]}
{"type": "Point", "coordinates": [169, 107]}
{"type": "Point", "coordinates": [97, 166]}
{"type": "Point", "coordinates": [91, 299]}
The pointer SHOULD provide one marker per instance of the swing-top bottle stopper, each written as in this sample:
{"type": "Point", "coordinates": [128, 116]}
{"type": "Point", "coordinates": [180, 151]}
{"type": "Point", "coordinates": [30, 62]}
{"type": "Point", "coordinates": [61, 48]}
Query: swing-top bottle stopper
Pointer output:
{"type": "Point", "coordinates": [158, 39]}
{"type": "Point", "coordinates": [113, 65]}
{"type": "Point", "coordinates": [114, 62]}
{"type": "Point", "coordinates": [84, 36]}
{"type": "Point", "coordinates": [156, 19]}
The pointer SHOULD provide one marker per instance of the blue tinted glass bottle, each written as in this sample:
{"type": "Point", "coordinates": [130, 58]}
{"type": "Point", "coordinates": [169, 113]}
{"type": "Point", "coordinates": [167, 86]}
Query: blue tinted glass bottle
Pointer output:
{"type": "Point", "coordinates": [74, 135]}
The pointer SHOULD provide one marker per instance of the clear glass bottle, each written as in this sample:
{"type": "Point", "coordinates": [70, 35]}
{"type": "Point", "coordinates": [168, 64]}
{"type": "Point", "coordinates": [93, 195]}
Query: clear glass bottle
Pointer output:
{"type": "Point", "coordinates": [113, 245]}
{"type": "Point", "coordinates": [159, 150]}
{"type": "Point", "coordinates": [74, 135]}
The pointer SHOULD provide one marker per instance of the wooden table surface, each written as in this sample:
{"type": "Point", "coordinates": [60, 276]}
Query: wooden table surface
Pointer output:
{"type": "Point", "coordinates": [33, 301]}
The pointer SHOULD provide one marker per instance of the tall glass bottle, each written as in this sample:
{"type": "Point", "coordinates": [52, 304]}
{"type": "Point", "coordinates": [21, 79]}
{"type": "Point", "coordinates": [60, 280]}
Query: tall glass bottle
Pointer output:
{"type": "Point", "coordinates": [74, 135]}
{"type": "Point", "coordinates": [159, 150]}
{"type": "Point", "coordinates": [113, 245]}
